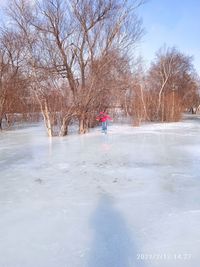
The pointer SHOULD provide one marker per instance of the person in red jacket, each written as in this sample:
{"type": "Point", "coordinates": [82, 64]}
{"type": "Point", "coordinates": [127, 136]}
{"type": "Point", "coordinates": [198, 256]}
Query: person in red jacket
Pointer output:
{"type": "Point", "coordinates": [103, 118]}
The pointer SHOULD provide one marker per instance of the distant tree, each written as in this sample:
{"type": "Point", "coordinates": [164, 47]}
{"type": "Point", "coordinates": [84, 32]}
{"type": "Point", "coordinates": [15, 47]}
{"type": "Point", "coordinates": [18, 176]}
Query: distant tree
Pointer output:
{"type": "Point", "coordinates": [12, 80]}
{"type": "Point", "coordinates": [171, 81]}
{"type": "Point", "coordinates": [136, 95]}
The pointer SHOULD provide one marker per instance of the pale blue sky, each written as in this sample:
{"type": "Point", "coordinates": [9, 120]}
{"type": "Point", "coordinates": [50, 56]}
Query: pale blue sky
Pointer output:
{"type": "Point", "coordinates": [174, 23]}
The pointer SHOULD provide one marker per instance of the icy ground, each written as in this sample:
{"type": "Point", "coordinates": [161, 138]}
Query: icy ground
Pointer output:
{"type": "Point", "coordinates": [101, 200]}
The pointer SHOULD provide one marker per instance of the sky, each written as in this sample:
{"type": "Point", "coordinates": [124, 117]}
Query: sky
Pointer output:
{"type": "Point", "coordinates": [171, 22]}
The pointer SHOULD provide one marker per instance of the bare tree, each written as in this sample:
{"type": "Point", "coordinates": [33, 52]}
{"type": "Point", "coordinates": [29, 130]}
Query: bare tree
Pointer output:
{"type": "Point", "coordinates": [64, 39]}
{"type": "Point", "coordinates": [12, 81]}
{"type": "Point", "coordinates": [170, 80]}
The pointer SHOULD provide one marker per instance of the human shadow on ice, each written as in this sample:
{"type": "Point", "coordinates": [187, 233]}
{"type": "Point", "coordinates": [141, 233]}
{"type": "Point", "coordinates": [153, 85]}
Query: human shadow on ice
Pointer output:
{"type": "Point", "coordinates": [112, 245]}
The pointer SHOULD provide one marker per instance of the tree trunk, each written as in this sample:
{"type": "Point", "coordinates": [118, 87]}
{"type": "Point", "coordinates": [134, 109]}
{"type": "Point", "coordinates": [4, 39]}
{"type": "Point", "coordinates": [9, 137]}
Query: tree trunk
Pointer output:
{"type": "Point", "coordinates": [64, 128]}
{"type": "Point", "coordinates": [2, 101]}
{"type": "Point", "coordinates": [163, 117]}
{"type": "Point", "coordinates": [83, 125]}
{"type": "Point", "coordinates": [48, 126]}
{"type": "Point", "coordinates": [1, 124]}
{"type": "Point", "coordinates": [45, 113]}
{"type": "Point", "coordinates": [47, 120]}
{"type": "Point", "coordinates": [160, 96]}
{"type": "Point", "coordinates": [143, 102]}
{"type": "Point", "coordinates": [173, 105]}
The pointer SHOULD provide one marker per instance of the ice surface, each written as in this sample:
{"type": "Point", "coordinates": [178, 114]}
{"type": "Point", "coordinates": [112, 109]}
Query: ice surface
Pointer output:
{"type": "Point", "coordinates": [101, 200]}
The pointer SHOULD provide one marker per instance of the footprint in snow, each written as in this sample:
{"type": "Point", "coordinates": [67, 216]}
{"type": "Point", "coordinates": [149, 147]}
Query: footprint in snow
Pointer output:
{"type": "Point", "coordinates": [39, 180]}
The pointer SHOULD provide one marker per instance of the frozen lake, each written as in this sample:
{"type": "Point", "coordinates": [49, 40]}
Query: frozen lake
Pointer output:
{"type": "Point", "coordinates": [127, 199]}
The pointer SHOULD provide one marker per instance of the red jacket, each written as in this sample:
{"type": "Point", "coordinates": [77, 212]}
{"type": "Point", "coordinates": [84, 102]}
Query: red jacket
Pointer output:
{"type": "Point", "coordinates": [103, 117]}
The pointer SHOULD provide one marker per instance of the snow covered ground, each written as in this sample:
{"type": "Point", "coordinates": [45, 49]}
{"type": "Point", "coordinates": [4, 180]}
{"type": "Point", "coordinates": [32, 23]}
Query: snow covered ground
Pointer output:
{"type": "Point", "coordinates": [127, 199]}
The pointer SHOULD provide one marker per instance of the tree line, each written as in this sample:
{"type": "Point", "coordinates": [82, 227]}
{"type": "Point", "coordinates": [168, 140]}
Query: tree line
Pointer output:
{"type": "Point", "coordinates": [70, 59]}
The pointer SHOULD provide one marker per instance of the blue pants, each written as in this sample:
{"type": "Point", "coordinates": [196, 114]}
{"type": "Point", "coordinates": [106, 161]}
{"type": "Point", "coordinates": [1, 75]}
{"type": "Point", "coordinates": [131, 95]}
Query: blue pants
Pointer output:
{"type": "Point", "coordinates": [104, 126]}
